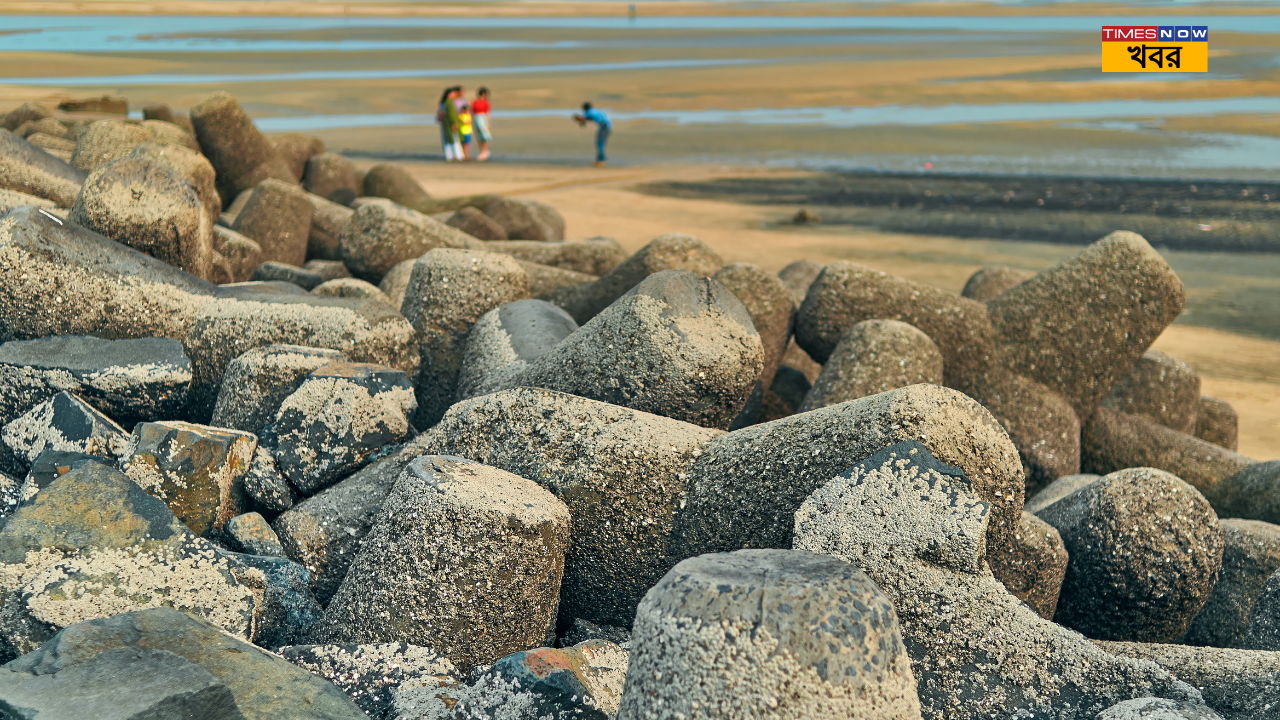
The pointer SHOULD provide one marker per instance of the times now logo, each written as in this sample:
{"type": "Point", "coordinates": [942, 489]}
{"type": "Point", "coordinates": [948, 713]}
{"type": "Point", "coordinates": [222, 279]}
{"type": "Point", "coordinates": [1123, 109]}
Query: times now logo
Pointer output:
{"type": "Point", "coordinates": [1162, 33]}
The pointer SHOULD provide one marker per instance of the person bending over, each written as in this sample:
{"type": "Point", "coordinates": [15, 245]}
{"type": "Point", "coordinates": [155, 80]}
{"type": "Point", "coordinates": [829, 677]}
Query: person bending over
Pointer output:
{"type": "Point", "coordinates": [590, 114]}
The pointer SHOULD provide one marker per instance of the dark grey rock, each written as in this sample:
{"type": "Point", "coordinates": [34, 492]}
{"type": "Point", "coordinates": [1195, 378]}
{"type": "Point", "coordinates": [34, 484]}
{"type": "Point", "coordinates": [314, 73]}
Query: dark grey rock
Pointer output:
{"type": "Point", "coordinates": [49, 466]}
{"type": "Point", "coordinates": [238, 151]}
{"type": "Point", "coordinates": [1217, 422]}
{"type": "Point", "coordinates": [1145, 550]}
{"type": "Point", "coordinates": [1160, 388]}
{"type": "Point", "coordinates": [785, 394]}
{"type": "Point", "coordinates": [132, 380]}
{"type": "Point", "coordinates": [581, 630]}
{"type": "Point", "coordinates": [595, 256]}
{"type": "Point", "coordinates": [278, 218]}
{"type": "Point", "coordinates": [284, 607]}
{"type": "Point", "coordinates": [810, 634]}
{"type": "Point", "coordinates": [544, 279]}
{"type": "Point", "coordinates": [251, 533]}
{"type": "Point", "coordinates": [10, 199]}
{"type": "Point", "coordinates": [1252, 493]}
{"type": "Point", "coordinates": [29, 169]}
{"type": "Point", "coordinates": [976, 650]}
{"type": "Point", "coordinates": [1250, 555]}
{"type": "Point", "coordinates": [875, 356]}
{"type": "Point", "coordinates": [798, 276]}
{"type": "Point", "coordinates": [526, 219]}
{"type": "Point", "coordinates": [119, 684]}
{"type": "Point", "coordinates": [991, 280]}
{"type": "Point", "coordinates": [448, 292]}
{"type": "Point", "coordinates": [339, 415]}
{"type": "Point", "coordinates": [381, 234]}
{"type": "Point", "coordinates": [256, 382]}
{"type": "Point", "coordinates": [265, 485]}
{"type": "Point", "coordinates": [463, 557]}
{"type": "Point", "coordinates": [1238, 684]}
{"type": "Point", "coordinates": [1079, 327]}
{"type": "Point", "coordinates": [394, 183]}
{"type": "Point", "coordinates": [673, 251]}
{"type": "Point", "coordinates": [505, 340]}
{"type": "Point", "coordinates": [330, 175]}
{"type": "Point", "coordinates": [263, 685]}
{"type": "Point", "coordinates": [63, 422]}
{"type": "Point", "coordinates": [768, 301]}
{"type": "Point", "coordinates": [1263, 630]}
{"type": "Point", "coordinates": [676, 345]}
{"type": "Point", "coordinates": [196, 469]}
{"type": "Point", "coordinates": [281, 272]}
{"type": "Point", "coordinates": [370, 674]}
{"type": "Point", "coordinates": [476, 224]}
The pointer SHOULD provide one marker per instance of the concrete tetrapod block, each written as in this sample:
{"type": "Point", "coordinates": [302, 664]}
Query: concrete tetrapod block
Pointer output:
{"type": "Point", "coordinates": [847, 293]}
{"type": "Point", "coordinates": [263, 685]}
{"type": "Point", "coordinates": [1080, 326]}
{"type": "Point", "coordinates": [676, 345]}
{"type": "Point", "coordinates": [328, 173]}
{"type": "Point", "coordinates": [235, 256]}
{"type": "Point", "coordinates": [381, 234]}
{"type": "Point", "coordinates": [250, 533]}
{"type": "Point", "coordinates": [63, 422]}
{"type": "Point", "coordinates": [798, 276]}
{"type": "Point", "coordinates": [190, 165]}
{"type": "Point", "coordinates": [44, 126]}
{"type": "Point", "coordinates": [238, 151]}
{"type": "Point", "coordinates": [913, 525]}
{"type": "Point", "coordinates": [265, 485]}
{"type": "Point", "coordinates": [1252, 493]}
{"type": "Point", "coordinates": [149, 207]}
{"type": "Point", "coordinates": [1263, 630]}
{"type": "Point", "coordinates": [1217, 422]}
{"type": "Point", "coordinates": [544, 278]}
{"type": "Point", "coordinates": [875, 356]}
{"type": "Point", "coordinates": [505, 340]}
{"type": "Point", "coordinates": [767, 634]}
{"type": "Point", "coordinates": [349, 287]}
{"type": "Point", "coordinates": [1158, 709]}
{"type": "Point", "coordinates": [476, 224]}
{"type": "Point", "coordinates": [1160, 388]}
{"type": "Point", "coordinates": [10, 199]}
{"type": "Point", "coordinates": [30, 170]}
{"type": "Point", "coordinates": [527, 219]}
{"type": "Point", "coordinates": [1238, 684]}
{"type": "Point", "coordinates": [768, 302]}
{"type": "Point", "coordinates": [92, 544]}
{"type": "Point", "coordinates": [673, 251]}
{"type": "Point", "coordinates": [464, 558]}
{"type": "Point", "coordinates": [991, 280]}
{"type": "Point", "coordinates": [296, 150]}
{"type": "Point", "coordinates": [272, 271]}
{"type": "Point", "coordinates": [55, 146]}
{"type": "Point", "coordinates": [105, 141]}
{"type": "Point", "coordinates": [393, 182]}
{"type": "Point", "coordinates": [370, 674]}
{"type": "Point", "coordinates": [595, 256]}
{"type": "Point", "coordinates": [396, 282]}
{"type": "Point", "coordinates": [1250, 555]}
{"type": "Point", "coordinates": [1034, 565]}
{"type": "Point", "coordinates": [256, 382]}
{"type": "Point", "coordinates": [448, 292]}
{"type": "Point", "coordinates": [1057, 490]}
{"type": "Point", "coordinates": [278, 218]}
{"type": "Point", "coordinates": [26, 112]}
{"type": "Point", "coordinates": [1145, 551]}
{"type": "Point", "coordinates": [1112, 441]}
{"type": "Point", "coordinates": [327, 220]}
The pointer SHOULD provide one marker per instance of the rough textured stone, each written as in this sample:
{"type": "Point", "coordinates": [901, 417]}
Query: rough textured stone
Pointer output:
{"type": "Point", "coordinates": [323, 532]}
{"type": "Point", "coordinates": [463, 557]}
{"type": "Point", "coordinates": [1057, 490]}
{"type": "Point", "coordinates": [105, 141]}
{"type": "Point", "coordinates": [339, 415]}
{"type": "Point", "coordinates": [29, 169]}
{"type": "Point", "coordinates": [169, 134]}
{"type": "Point", "coordinates": [328, 269]}
{"type": "Point", "coordinates": [798, 276]}
{"type": "Point", "coordinates": [1252, 493]}
{"type": "Point", "coordinates": [672, 251]}
{"type": "Point", "coordinates": [132, 380]}
{"type": "Point", "coordinates": [1160, 388]}
{"type": "Point", "coordinates": [1041, 423]}
{"type": "Point", "coordinates": [264, 685]}
{"type": "Point", "coordinates": [10, 199]}
{"type": "Point", "coordinates": [394, 183]}
{"type": "Point", "coordinates": [257, 382]}
{"type": "Point", "coordinates": [51, 465]}
{"type": "Point", "coordinates": [327, 220]}
{"type": "Point", "coordinates": [1157, 709]}
{"type": "Point", "coordinates": [505, 340]}
{"type": "Point", "coordinates": [44, 126]}
{"type": "Point", "coordinates": [149, 207]}
{"type": "Point", "coordinates": [1217, 422]}
{"type": "Point", "coordinates": [189, 165]}
{"type": "Point", "coordinates": [296, 150]}
{"type": "Point", "coordinates": [26, 112]}
{"type": "Point", "coordinates": [330, 176]}
{"type": "Point", "coordinates": [1145, 550]}
{"type": "Point", "coordinates": [396, 282]}
{"type": "Point", "coordinates": [847, 293]}
{"type": "Point", "coordinates": [1080, 326]}
{"type": "Point", "coordinates": [785, 394]}
{"type": "Point", "coordinates": [976, 650]}
{"type": "Point", "coordinates": [526, 219]}
{"type": "Point", "coordinates": [1112, 441]}
{"type": "Point", "coordinates": [272, 271]}
{"type": "Point", "coordinates": [676, 345]}
{"type": "Point", "coordinates": [349, 287]}
{"type": "Point", "coordinates": [264, 484]}
{"type": "Point", "coordinates": [278, 218]}
{"type": "Point", "coordinates": [768, 301]}
{"type": "Point", "coordinates": [875, 356]}
{"type": "Point", "coordinates": [235, 256]}
{"type": "Point", "coordinates": [241, 155]}
{"type": "Point", "coordinates": [120, 684]}
{"type": "Point", "coordinates": [164, 113]}
{"type": "Point", "coordinates": [58, 147]}
{"type": "Point", "coordinates": [196, 469]}
{"type": "Point", "coordinates": [806, 636]}
{"type": "Point", "coordinates": [370, 674]}
{"type": "Point", "coordinates": [583, 630]}
{"type": "Point", "coordinates": [92, 544]}
{"type": "Point", "coordinates": [251, 533]}
{"type": "Point", "coordinates": [476, 224]}
{"type": "Point", "coordinates": [448, 292]}
{"type": "Point", "coordinates": [1034, 567]}
{"type": "Point", "coordinates": [284, 608]}
{"type": "Point", "coordinates": [544, 279]}
{"type": "Point", "coordinates": [1263, 630]}
{"type": "Point", "coordinates": [381, 234]}
{"type": "Point", "coordinates": [1250, 555]}
{"type": "Point", "coordinates": [63, 422]}
{"type": "Point", "coordinates": [1238, 684]}
{"type": "Point", "coordinates": [595, 256]}
{"type": "Point", "coordinates": [991, 280]}
{"type": "Point", "coordinates": [10, 494]}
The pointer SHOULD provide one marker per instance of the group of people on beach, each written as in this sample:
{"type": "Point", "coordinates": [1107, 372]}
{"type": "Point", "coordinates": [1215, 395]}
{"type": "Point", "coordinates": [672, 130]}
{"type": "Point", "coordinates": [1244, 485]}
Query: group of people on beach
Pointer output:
{"type": "Point", "coordinates": [462, 123]}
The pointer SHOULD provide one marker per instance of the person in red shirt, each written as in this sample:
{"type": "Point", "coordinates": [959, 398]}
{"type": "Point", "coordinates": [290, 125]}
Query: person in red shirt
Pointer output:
{"type": "Point", "coordinates": [480, 119]}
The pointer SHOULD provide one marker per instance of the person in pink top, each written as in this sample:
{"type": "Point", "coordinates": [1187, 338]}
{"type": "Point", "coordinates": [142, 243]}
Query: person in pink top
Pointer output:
{"type": "Point", "coordinates": [480, 120]}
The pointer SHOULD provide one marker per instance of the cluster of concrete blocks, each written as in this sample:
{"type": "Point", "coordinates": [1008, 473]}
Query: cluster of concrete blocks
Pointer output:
{"type": "Point", "coordinates": [282, 437]}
